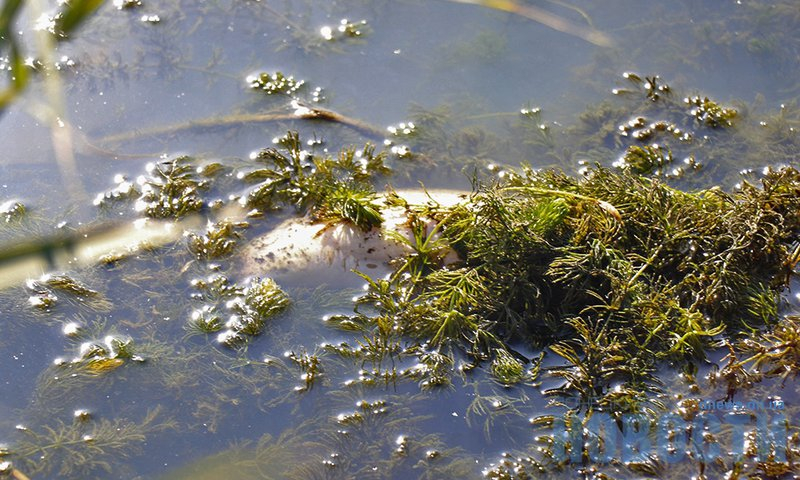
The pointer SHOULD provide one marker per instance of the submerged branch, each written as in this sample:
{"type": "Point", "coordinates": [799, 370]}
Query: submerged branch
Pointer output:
{"type": "Point", "coordinates": [548, 19]}
{"type": "Point", "coordinates": [301, 112]}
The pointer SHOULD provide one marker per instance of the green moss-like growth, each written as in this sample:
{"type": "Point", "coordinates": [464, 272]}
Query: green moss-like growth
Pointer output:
{"type": "Point", "coordinates": [11, 211]}
{"type": "Point", "coordinates": [778, 352]}
{"type": "Point", "coordinates": [614, 271]}
{"type": "Point", "coordinates": [329, 189]}
{"type": "Point", "coordinates": [311, 367]}
{"type": "Point", "coordinates": [646, 159]}
{"type": "Point", "coordinates": [171, 190]}
{"type": "Point", "coordinates": [242, 311]}
{"type": "Point", "coordinates": [625, 239]}
{"type": "Point", "coordinates": [350, 203]}
{"type": "Point", "coordinates": [263, 298]}
{"type": "Point", "coordinates": [709, 113]}
{"type": "Point", "coordinates": [276, 83]}
{"type": "Point", "coordinates": [84, 449]}
{"type": "Point", "coordinates": [46, 290]}
{"type": "Point", "coordinates": [218, 241]}
{"type": "Point", "coordinates": [506, 369]}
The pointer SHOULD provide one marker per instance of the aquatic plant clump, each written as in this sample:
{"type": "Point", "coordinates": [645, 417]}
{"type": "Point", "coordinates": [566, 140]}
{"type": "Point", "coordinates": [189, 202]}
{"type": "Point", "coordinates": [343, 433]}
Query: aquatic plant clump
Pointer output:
{"type": "Point", "coordinates": [45, 292]}
{"type": "Point", "coordinates": [84, 448]}
{"type": "Point", "coordinates": [506, 369]}
{"type": "Point", "coordinates": [218, 241]}
{"type": "Point", "coordinates": [709, 113]}
{"type": "Point", "coordinates": [778, 352]}
{"type": "Point", "coordinates": [328, 189]}
{"type": "Point", "coordinates": [345, 29]}
{"type": "Point", "coordinates": [236, 312]}
{"type": "Point", "coordinates": [276, 83]}
{"type": "Point", "coordinates": [171, 190]}
{"type": "Point", "coordinates": [647, 159]}
{"type": "Point", "coordinates": [11, 210]}
{"type": "Point", "coordinates": [614, 271]}
{"type": "Point", "coordinates": [98, 358]}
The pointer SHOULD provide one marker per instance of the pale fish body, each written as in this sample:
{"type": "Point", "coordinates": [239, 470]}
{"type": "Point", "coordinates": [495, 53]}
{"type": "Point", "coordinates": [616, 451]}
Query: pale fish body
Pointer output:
{"type": "Point", "coordinates": [302, 251]}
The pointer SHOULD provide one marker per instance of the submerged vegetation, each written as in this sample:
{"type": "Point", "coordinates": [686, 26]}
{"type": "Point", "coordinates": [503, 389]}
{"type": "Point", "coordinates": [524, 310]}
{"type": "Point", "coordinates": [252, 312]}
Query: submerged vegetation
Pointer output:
{"type": "Point", "coordinates": [642, 268]}
{"type": "Point", "coordinates": [248, 308]}
{"type": "Point", "coordinates": [172, 190]}
{"type": "Point", "coordinates": [84, 447]}
{"type": "Point", "coordinates": [327, 189]}
{"type": "Point", "coordinates": [615, 273]}
{"type": "Point", "coordinates": [45, 292]}
{"type": "Point", "coordinates": [648, 272]}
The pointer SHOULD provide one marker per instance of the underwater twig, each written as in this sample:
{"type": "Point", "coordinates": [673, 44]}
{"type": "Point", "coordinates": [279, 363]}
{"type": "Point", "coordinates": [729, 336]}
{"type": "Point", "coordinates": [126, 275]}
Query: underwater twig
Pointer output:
{"type": "Point", "coordinates": [575, 9]}
{"type": "Point", "coordinates": [548, 19]}
{"type": "Point", "coordinates": [301, 112]}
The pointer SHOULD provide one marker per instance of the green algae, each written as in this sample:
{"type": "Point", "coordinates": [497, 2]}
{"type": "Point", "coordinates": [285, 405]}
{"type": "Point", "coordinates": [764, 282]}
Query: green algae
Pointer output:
{"type": "Point", "coordinates": [507, 369]}
{"type": "Point", "coordinates": [709, 113]}
{"type": "Point", "coordinates": [276, 84]}
{"type": "Point", "coordinates": [614, 272]}
{"type": "Point", "coordinates": [647, 159]}
{"type": "Point", "coordinates": [12, 211]}
{"type": "Point", "coordinates": [172, 190]}
{"type": "Point", "coordinates": [268, 458]}
{"type": "Point", "coordinates": [46, 290]}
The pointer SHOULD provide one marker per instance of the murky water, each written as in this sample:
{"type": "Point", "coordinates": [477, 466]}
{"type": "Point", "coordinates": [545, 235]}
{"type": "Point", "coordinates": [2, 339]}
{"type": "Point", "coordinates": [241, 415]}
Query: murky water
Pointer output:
{"type": "Point", "coordinates": [220, 412]}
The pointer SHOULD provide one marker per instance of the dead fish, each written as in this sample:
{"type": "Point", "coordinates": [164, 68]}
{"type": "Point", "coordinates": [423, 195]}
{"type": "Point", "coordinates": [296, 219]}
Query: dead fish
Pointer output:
{"type": "Point", "coordinates": [302, 251]}
{"type": "Point", "coordinates": [295, 249]}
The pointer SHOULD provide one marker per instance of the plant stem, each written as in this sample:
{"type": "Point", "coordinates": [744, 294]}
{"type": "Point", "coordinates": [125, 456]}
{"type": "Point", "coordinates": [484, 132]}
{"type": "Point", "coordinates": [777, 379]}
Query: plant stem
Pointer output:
{"type": "Point", "coordinates": [546, 191]}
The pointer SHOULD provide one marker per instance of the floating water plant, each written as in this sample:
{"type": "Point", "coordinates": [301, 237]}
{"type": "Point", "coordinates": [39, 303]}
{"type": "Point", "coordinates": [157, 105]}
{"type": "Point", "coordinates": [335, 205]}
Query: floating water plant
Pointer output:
{"type": "Point", "coordinates": [613, 267]}
{"type": "Point", "coordinates": [11, 210]}
{"type": "Point", "coordinates": [263, 298]}
{"type": "Point", "coordinates": [506, 369]}
{"type": "Point", "coordinates": [626, 280]}
{"type": "Point", "coordinates": [276, 83]}
{"type": "Point", "coordinates": [171, 190]}
{"type": "Point", "coordinates": [98, 358]}
{"type": "Point", "coordinates": [777, 353]}
{"type": "Point", "coordinates": [345, 30]}
{"type": "Point", "coordinates": [45, 292]}
{"type": "Point", "coordinates": [710, 113]}
{"type": "Point", "coordinates": [123, 190]}
{"type": "Point", "coordinates": [241, 311]}
{"type": "Point", "coordinates": [310, 365]}
{"type": "Point", "coordinates": [327, 188]}
{"type": "Point", "coordinates": [647, 159]}
{"type": "Point", "coordinates": [219, 239]}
